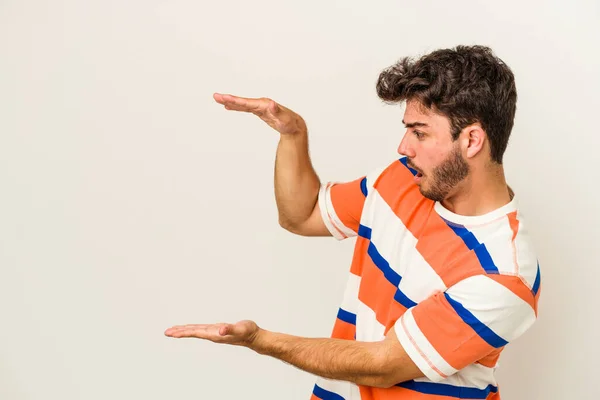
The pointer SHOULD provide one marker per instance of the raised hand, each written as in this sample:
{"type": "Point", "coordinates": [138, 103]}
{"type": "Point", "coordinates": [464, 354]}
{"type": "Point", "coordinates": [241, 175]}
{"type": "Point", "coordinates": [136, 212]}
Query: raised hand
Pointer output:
{"type": "Point", "coordinates": [278, 117]}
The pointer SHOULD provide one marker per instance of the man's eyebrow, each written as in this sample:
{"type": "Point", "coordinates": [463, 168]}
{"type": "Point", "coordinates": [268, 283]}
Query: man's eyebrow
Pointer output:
{"type": "Point", "coordinates": [414, 124]}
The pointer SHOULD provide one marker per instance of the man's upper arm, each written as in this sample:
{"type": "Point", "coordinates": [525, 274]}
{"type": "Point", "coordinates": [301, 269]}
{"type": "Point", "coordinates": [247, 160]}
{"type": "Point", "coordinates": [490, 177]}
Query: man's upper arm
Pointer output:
{"type": "Point", "coordinates": [340, 207]}
{"type": "Point", "coordinates": [313, 226]}
{"type": "Point", "coordinates": [337, 211]}
{"type": "Point", "coordinates": [477, 316]}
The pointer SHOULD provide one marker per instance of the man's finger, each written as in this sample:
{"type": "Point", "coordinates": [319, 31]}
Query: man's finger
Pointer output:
{"type": "Point", "coordinates": [213, 333]}
{"type": "Point", "coordinates": [231, 100]}
{"type": "Point", "coordinates": [237, 103]}
{"type": "Point", "coordinates": [188, 326]}
{"type": "Point", "coordinates": [218, 97]}
{"type": "Point", "coordinates": [181, 328]}
{"type": "Point", "coordinates": [226, 329]}
{"type": "Point", "coordinates": [221, 329]}
{"type": "Point", "coordinates": [199, 332]}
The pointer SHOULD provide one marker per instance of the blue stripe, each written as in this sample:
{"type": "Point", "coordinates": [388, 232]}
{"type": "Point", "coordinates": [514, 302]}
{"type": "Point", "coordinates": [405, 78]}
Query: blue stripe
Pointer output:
{"type": "Point", "coordinates": [479, 327]}
{"type": "Point", "coordinates": [485, 259]}
{"type": "Point", "coordinates": [392, 276]}
{"type": "Point", "coordinates": [401, 298]}
{"type": "Point", "coordinates": [383, 265]}
{"type": "Point", "coordinates": [364, 232]}
{"type": "Point", "coordinates": [482, 253]}
{"type": "Point", "coordinates": [347, 316]}
{"type": "Point", "coordinates": [442, 389]}
{"type": "Point", "coordinates": [363, 186]}
{"type": "Point", "coordinates": [536, 285]}
{"type": "Point", "coordinates": [404, 161]}
{"type": "Point", "coordinates": [326, 394]}
{"type": "Point", "coordinates": [465, 234]}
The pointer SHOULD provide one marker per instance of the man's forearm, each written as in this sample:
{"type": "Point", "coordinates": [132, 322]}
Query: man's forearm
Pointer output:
{"type": "Point", "coordinates": [358, 362]}
{"type": "Point", "coordinates": [296, 182]}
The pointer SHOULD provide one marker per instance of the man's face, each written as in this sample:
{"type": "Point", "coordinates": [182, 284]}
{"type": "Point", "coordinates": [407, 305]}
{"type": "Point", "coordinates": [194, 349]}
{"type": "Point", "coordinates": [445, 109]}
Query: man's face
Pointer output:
{"type": "Point", "coordinates": [431, 152]}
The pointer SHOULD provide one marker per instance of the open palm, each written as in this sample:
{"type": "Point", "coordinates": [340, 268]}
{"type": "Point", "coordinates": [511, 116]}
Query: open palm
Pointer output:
{"type": "Point", "coordinates": [278, 117]}
{"type": "Point", "coordinates": [241, 333]}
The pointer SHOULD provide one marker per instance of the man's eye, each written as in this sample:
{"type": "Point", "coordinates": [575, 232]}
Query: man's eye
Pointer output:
{"type": "Point", "coordinates": [418, 134]}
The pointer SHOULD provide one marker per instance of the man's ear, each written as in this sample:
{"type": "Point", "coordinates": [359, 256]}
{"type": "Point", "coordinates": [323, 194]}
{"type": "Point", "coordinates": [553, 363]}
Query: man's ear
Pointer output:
{"type": "Point", "coordinates": [473, 139]}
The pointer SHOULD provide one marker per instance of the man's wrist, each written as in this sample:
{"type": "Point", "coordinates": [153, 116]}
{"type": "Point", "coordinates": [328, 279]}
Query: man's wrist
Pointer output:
{"type": "Point", "coordinates": [259, 341]}
{"type": "Point", "coordinates": [299, 135]}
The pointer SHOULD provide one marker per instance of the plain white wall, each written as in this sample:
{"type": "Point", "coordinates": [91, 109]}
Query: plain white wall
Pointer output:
{"type": "Point", "coordinates": [130, 201]}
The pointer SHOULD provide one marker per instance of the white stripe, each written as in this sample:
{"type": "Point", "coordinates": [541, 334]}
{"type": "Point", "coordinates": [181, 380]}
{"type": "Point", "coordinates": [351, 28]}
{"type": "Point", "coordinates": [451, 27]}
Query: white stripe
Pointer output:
{"type": "Point", "coordinates": [368, 329]}
{"type": "Point", "coordinates": [328, 213]}
{"type": "Point", "coordinates": [497, 238]}
{"type": "Point", "coordinates": [324, 206]}
{"type": "Point", "coordinates": [475, 376]}
{"type": "Point", "coordinates": [526, 254]}
{"type": "Point", "coordinates": [492, 303]}
{"type": "Point", "coordinates": [331, 211]}
{"type": "Point", "coordinates": [350, 301]}
{"type": "Point", "coordinates": [354, 392]}
{"type": "Point", "coordinates": [416, 345]}
{"type": "Point", "coordinates": [373, 176]}
{"type": "Point", "coordinates": [338, 223]}
{"type": "Point", "coordinates": [388, 232]}
{"type": "Point", "coordinates": [397, 245]}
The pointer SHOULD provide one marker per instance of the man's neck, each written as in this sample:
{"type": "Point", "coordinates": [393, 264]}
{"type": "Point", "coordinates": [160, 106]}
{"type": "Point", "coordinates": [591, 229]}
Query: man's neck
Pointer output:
{"type": "Point", "coordinates": [482, 193]}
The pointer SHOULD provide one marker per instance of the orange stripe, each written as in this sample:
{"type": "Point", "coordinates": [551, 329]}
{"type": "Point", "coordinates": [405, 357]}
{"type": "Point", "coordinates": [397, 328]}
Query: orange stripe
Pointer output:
{"type": "Point", "coordinates": [396, 311]}
{"type": "Point", "coordinates": [517, 286]}
{"type": "Point", "coordinates": [360, 253]}
{"type": "Point", "coordinates": [494, 396]}
{"type": "Point", "coordinates": [447, 253]}
{"type": "Point", "coordinates": [453, 339]}
{"type": "Point", "coordinates": [375, 291]}
{"type": "Point", "coordinates": [514, 226]}
{"type": "Point", "coordinates": [514, 223]}
{"type": "Point", "coordinates": [366, 392]}
{"type": "Point", "coordinates": [343, 330]}
{"type": "Point", "coordinates": [416, 213]}
{"type": "Point", "coordinates": [405, 200]}
{"type": "Point", "coordinates": [491, 359]}
{"type": "Point", "coordinates": [348, 200]}
{"type": "Point", "coordinates": [313, 397]}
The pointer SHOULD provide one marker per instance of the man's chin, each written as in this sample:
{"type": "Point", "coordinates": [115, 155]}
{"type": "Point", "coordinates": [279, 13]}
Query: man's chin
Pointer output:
{"type": "Point", "coordinates": [428, 194]}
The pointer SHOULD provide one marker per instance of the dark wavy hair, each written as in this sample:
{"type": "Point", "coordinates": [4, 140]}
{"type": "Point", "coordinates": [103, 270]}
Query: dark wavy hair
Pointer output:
{"type": "Point", "coordinates": [467, 84]}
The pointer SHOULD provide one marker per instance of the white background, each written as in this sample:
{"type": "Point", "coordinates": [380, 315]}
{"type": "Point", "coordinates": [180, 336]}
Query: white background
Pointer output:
{"type": "Point", "coordinates": [130, 201]}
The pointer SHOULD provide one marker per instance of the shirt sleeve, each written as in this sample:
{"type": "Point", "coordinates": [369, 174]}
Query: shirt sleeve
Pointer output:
{"type": "Point", "coordinates": [453, 329]}
{"type": "Point", "coordinates": [342, 204]}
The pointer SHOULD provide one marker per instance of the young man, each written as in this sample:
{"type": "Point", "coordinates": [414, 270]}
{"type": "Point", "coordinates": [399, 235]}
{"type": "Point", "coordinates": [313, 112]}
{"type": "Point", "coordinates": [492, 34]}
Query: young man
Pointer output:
{"type": "Point", "coordinates": [444, 274]}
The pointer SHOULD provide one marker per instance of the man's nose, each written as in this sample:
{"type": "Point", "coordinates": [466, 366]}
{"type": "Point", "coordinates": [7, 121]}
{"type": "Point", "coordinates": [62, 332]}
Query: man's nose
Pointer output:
{"type": "Point", "coordinates": [404, 149]}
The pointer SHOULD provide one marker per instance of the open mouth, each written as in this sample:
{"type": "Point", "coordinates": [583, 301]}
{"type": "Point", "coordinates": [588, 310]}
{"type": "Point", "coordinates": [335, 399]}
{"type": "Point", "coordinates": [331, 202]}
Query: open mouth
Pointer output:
{"type": "Point", "coordinates": [418, 173]}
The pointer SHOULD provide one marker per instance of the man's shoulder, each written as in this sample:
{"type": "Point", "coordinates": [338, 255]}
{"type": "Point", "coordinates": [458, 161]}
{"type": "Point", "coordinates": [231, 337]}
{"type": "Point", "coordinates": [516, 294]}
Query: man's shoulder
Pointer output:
{"type": "Point", "coordinates": [505, 247]}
